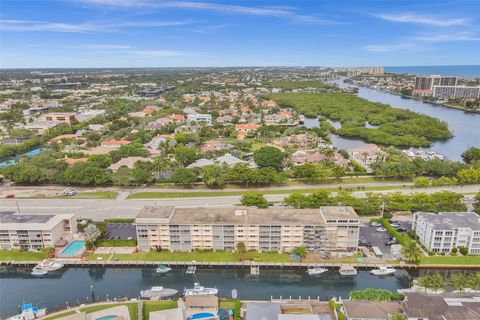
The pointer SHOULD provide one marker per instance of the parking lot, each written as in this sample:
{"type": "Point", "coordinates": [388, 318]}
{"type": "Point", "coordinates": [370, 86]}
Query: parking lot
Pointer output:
{"type": "Point", "coordinates": [378, 239]}
{"type": "Point", "coordinates": [121, 231]}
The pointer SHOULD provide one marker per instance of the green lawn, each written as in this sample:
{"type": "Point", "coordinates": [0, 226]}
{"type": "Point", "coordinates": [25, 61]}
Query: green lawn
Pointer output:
{"type": "Point", "coordinates": [7, 255]}
{"type": "Point", "coordinates": [117, 243]}
{"type": "Point", "coordinates": [200, 256]}
{"type": "Point", "coordinates": [468, 260]}
{"type": "Point", "coordinates": [132, 308]}
{"type": "Point", "coordinates": [94, 257]}
{"type": "Point", "coordinates": [195, 194]}
{"type": "Point", "coordinates": [152, 306]}
{"type": "Point", "coordinates": [95, 195]}
{"type": "Point", "coordinates": [61, 315]}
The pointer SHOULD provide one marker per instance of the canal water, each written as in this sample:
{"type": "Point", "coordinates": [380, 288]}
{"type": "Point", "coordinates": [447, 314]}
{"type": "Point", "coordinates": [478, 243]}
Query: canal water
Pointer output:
{"type": "Point", "coordinates": [465, 126]}
{"type": "Point", "coordinates": [74, 285]}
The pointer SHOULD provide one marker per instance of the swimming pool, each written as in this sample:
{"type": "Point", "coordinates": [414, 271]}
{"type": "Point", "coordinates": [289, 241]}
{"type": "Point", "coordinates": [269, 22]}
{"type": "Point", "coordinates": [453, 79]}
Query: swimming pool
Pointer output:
{"type": "Point", "coordinates": [109, 317]}
{"type": "Point", "coordinates": [75, 248]}
{"type": "Point", "coordinates": [201, 315]}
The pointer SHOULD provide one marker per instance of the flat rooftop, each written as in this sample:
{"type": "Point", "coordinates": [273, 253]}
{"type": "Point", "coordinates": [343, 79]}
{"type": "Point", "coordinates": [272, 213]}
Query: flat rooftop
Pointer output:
{"type": "Point", "coordinates": [449, 220]}
{"type": "Point", "coordinates": [10, 220]}
{"type": "Point", "coordinates": [243, 215]}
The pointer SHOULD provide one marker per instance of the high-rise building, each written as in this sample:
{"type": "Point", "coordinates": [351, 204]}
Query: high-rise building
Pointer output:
{"type": "Point", "coordinates": [455, 92]}
{"type": "Point", "coordinates": [424, 84]}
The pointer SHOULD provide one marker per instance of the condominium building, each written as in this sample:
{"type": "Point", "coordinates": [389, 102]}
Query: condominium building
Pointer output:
{"type": "Point", "coordinates": [67, 117]}
{"type": "Point", "coordinates": [334, 228]}
{"type": "Point", "coordinates": [455, 92]}
{"type": "Point", "coordinates": [424, 84]}
{"type": "Point", "coordinates": [447, 230]}
{"type": "Point", "coordinates": [34, 232]}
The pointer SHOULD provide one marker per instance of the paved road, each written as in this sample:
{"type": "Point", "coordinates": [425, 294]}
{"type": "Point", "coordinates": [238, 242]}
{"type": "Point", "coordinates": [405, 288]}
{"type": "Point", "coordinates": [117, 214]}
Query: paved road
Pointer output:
{"type": "Point", "coordinates": [123, 208]}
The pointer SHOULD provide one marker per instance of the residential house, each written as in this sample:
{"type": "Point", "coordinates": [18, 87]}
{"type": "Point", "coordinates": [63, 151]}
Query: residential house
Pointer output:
{"type": "Point", "coordinates": [370, 310]}
{"type": "Point", "coordinates": [245, 128]}
{"type": "Point", "coordinates": [128, 162]}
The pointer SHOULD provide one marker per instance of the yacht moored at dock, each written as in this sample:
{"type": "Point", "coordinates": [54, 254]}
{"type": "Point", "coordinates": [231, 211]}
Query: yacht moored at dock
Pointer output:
{"type": "Point", "coordinates": [313, 271]}
{"type": "Point", "coordinates": [50, 265]}
{"type": "Point", "coordinates": [199, 290]}
{"type": "Point", "coordinates": [347, 270]}
{"type": "Point", "coordinates": [157, 293]}
{"type": "Point", "coordinates": [162, 269]}
{"type": "Point", "coordinates": [38, 272]}
{"type": "Point", "coordinates": [382, 271]}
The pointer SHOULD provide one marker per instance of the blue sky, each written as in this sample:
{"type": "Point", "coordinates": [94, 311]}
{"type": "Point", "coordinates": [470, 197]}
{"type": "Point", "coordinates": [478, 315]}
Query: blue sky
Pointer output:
{"type": "Point", "coordinates": [155, 33]}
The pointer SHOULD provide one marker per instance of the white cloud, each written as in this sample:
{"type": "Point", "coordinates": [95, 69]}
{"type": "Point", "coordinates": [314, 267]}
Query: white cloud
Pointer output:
{"type": "Point", "coordinates": [287, 12]}
{"type": "Point", "coordinates": [460, 36]}
{"type": "Point", "coordinates": [103, 46]}
{"type": "Point", "coordinates": [389, 47]}
{"type": "Point", "coordinates": [84, 27]}
{"type": "Point", "coordinates": [415, 18]}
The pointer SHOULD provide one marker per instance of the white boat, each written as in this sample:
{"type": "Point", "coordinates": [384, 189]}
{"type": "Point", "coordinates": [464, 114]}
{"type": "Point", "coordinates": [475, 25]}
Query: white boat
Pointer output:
{"type": "Point", "coordinates": [38, 272]}
{"type": "Point", "coordinates": [346, 270]}
{"type": "Point", "coordinates": [198, 290]}
{"type": "Point", "coordinates": [162, 268]}
{"type": "Point", "coordinates": [49, 265]}
{"type": "Point", "coordinates": [157, 293]}
{"type": "Point", "coordinates": [312, 271]}
{"type": "Point", "coordinates": [382, 271]}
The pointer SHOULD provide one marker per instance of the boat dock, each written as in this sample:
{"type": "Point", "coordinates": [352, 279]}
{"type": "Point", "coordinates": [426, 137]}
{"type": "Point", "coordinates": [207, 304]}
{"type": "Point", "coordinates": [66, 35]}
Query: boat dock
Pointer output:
{"type": "Point", "coordinates": [243, 264]}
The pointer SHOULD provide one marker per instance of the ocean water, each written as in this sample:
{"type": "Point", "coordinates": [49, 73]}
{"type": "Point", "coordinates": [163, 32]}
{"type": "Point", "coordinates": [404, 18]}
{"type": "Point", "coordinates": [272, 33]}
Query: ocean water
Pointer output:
{"type": "Point", "coordinates": [472, 71]}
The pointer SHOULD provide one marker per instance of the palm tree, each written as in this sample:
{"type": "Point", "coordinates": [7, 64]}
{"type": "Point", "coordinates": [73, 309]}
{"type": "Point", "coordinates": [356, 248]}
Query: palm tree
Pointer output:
{"type": "Point", "coordinates": [458, 282]}
{"type": "Point", "coordinates": [436, 282]}
{"type": "Point", "coordinates": [412, 252]}
{"type": "Point", "coordinates": [424, 282]}
{"type": "Point", "coordinates": [474, 281]}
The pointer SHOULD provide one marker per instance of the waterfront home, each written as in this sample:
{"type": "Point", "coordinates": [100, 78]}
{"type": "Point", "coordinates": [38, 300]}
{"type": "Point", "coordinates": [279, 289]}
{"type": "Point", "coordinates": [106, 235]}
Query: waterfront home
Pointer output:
{"type": "Point", "coordinates": [331, 228]}
{"type": "Point", "coordinates": [369, 310]}
{"type": "Point", "coordinates": [418, 306]}
{"type": "Point", "coordinates": [35, 232]}
{"type": "Point", "coordinates": [367, 154]}
{"type": "Point", "coordinates": [302, 157]}
{"type": "Point", "coordinates": [300, 141]}
{"type": "Point", "coordinates": [444, 231]}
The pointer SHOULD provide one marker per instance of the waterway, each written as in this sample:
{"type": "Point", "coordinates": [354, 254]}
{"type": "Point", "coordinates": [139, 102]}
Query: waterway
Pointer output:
{"type": "Point", "coordinates": [74, 285]}
{"type": "Point", "coordinates": [464, 125]}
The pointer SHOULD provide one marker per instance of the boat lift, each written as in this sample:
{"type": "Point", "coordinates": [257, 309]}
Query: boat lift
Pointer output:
{"type": "Point", "coordinates": [191, 270]}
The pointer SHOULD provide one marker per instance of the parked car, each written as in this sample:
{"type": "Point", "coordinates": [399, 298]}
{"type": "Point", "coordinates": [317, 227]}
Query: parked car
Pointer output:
{"type": "Point", "coordinates": [401, 229]}
{"type": "Point", "coordinates": [68, 191]}
{"type": "Point", "coordinates": [10, 196]}
{"type": "Point", "coordinates": [375, 224]}
{"type": "Point", "coordinates": [381, 229]}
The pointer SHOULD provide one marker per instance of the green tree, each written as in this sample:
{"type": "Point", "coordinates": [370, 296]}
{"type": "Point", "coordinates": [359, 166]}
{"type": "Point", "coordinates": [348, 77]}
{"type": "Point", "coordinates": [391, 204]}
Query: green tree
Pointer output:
{"type": "Point", "coordinates": [474, 281]}
{"type": "Point", "coordinates": [122, 176]}
{"type": "Point", "coordinates": [269, 157]}
{"type": "Point", "coordinates": [101, 160]}
{"type": "Point", "coordinates": [436, 282]}
{"type": "Point", "coordinates": [254, 199]}
{"type": "Point", "coordinates": [183, 176]}
{"type": "Point", "coordinates": [141, 176]}
{"type": "Point", "coordinates": [24, 174]}
{"type": "Point", "coordinates": [471, 155]}
{"type": "Point", "coordinates": [412, 252]}
{"type": "Point", "coordinates": [424, 282]}
{"type": "Point", "coordinates": [458, 282]}
{"type": "Point", "coordinates": [241, 248]}
{"type": "Point", "coordinates": [301, 251]}
{"type": "Point", "coordinates": [214, 176]}
{"type": "Point", "coordinates": [422, 182]}
{"type": "Point", "coordinates": [185, 156]}
{"type": "Point", "coordinates": [86, 173]}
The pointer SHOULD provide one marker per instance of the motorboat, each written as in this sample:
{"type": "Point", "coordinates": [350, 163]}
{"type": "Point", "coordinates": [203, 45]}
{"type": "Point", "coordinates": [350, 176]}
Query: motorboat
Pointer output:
{"type": "Point", "coordinates": [157, 293]}
{"type": "Point", "coordinates": [347, 270]}
{"type": "Point", "coordinates": [50, 265]}
{"type": "Point", "coordinates": [382, 271]}
{"type": "Point", "coordinates": [38, 272]}
{"type": "Point", "coordinates": [199, 290]}
{"type": "Point", "coordinates": [313, 271]}
{"type": "Point", "coordinates": [162, 268]}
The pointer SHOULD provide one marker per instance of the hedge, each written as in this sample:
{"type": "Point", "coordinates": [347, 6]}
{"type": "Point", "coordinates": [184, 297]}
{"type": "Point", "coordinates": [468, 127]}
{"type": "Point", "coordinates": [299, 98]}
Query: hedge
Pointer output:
{"type": "Point", "coordinates": [401, 238]}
